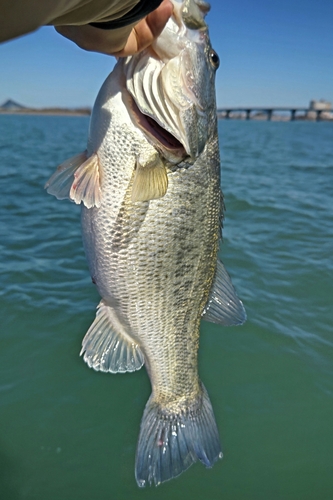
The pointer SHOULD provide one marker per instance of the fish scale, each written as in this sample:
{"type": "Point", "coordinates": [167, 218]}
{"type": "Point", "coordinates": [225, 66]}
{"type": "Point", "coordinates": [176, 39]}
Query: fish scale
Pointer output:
{"type": "Point", "coordinates": [151, 225]}
{"type": "Point", "coordinates": [182, 296]}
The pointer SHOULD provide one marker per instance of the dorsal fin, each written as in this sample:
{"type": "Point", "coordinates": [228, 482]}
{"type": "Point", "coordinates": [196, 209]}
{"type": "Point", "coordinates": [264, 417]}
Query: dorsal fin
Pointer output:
{"type": "Point", "coordinates": [77, 179]}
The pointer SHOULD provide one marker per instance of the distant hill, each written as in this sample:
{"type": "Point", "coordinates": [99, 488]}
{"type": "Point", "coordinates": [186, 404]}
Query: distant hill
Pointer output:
{"type": "Point", "coordinates": [11, 105]}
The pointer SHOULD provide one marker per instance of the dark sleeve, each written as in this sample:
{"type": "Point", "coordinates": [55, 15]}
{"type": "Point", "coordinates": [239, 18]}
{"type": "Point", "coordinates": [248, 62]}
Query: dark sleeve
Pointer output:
{"type": "Point", "coordinates": [141, 10]}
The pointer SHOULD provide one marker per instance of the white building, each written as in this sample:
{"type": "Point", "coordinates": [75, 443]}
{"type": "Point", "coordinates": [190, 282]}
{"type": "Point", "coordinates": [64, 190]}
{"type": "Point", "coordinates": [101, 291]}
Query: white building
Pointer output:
{"type": "Point", "coordinates": [321, 105]}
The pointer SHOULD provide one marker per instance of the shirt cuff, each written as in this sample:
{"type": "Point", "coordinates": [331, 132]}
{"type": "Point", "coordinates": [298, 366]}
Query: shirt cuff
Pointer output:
{"type": "Point", "coordinates": [141, 10]}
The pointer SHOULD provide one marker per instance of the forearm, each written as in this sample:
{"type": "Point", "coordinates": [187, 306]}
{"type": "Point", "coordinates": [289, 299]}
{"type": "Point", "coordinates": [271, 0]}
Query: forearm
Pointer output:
{"type": "Point", "coordinates": [18, 17]}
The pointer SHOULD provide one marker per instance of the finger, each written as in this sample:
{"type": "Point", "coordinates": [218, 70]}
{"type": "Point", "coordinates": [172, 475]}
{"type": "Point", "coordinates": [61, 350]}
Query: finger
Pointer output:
{"type": "Point", "coordinates": [157, 19]}
{"type": "Point", "coordinates": [145, 32]}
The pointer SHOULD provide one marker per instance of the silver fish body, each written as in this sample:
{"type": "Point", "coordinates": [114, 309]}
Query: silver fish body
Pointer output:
{"type": "Point", "coordinates": [149, 184]}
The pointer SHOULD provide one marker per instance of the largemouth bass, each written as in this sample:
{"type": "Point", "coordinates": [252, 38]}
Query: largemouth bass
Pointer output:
{"type": "Point", "coordinates": [152, 209]}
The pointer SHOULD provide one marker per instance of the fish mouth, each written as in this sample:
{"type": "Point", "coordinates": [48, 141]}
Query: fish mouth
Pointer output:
{"type": "Point", "coordinates": [171, 148]}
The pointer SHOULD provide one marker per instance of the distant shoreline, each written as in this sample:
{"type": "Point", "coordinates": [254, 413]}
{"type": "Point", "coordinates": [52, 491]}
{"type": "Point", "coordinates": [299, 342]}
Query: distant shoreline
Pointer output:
{"type": "Point", "coordinates": [49, 112]}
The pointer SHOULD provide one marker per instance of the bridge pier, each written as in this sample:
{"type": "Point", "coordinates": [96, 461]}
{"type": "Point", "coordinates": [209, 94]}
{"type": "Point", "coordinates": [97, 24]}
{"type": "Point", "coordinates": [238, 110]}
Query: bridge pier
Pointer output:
{"type": "Point", "coordinates": [269, 114]}
{"type": "Point", "coordinates": [248, 114]}
{"type": "Point", "coordinates": [292, 114]}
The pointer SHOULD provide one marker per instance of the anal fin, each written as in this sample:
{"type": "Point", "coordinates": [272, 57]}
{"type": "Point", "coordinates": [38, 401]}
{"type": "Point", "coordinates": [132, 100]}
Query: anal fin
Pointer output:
{"type": "Point", "coordinates": [223, 306]}
{"type": "Point", "coordinates": [107, 347]}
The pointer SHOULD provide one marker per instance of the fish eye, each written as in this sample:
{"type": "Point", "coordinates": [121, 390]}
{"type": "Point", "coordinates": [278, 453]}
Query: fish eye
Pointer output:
{"type": "Point", "coordinates": [214, 59]}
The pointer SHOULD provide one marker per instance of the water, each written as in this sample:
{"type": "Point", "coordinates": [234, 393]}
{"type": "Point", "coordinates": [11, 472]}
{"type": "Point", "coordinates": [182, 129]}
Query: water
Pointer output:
{"type": "Point", "coordinates": [67, 432]}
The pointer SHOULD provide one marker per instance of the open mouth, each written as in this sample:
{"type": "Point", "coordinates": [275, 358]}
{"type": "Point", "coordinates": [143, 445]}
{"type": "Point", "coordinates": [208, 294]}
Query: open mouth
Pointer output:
{"type": "Point", "coordinates": [155, 132]}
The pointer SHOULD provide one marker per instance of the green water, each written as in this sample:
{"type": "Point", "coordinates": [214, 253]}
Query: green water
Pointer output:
{"type": "Point", "coordinates": [69, 433]}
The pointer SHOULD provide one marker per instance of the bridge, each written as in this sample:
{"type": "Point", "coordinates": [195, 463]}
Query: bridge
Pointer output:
{"type": "Point", "coordinates": [226, 112]}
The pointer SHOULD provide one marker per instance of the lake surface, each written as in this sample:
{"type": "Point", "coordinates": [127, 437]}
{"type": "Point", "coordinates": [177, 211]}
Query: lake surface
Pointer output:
{"type": "Point", "coordinates": [67, 432]}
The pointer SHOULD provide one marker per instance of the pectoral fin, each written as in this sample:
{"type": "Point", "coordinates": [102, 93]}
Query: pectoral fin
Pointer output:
{"type": "Point", "coordinates": [150, 179]}
{"type": "Point", "coordinates": [107, 347]}
{"type": "Point", "coordinates": [77, 179]}
{"type": "Point", "coordinates": [223, 306]}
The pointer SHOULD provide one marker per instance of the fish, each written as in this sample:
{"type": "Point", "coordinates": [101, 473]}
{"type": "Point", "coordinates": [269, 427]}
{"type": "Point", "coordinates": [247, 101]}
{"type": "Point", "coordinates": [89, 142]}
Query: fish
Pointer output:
{"type": "Point", "coordinates": [152, 212]}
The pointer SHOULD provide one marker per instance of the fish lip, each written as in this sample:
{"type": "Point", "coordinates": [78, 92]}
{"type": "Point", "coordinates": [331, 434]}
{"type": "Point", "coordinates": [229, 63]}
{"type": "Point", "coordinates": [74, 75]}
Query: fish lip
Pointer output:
{"type": "Point", "coordinates": [159, 137]}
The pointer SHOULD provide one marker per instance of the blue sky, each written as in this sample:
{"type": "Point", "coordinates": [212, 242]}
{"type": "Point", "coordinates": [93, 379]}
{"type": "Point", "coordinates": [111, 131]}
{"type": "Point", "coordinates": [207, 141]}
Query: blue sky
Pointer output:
{"type": "Point", "coordinates": [277, 53]}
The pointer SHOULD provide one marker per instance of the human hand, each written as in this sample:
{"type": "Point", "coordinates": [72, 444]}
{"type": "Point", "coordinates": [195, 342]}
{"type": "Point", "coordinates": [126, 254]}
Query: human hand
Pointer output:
{"type": "Point", "coordinates": [120, 42]}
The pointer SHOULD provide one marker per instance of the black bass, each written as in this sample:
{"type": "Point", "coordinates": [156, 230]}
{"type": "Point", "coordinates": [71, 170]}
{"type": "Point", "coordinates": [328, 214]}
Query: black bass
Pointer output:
{"type": "Point", "coordinates": [149, 184]}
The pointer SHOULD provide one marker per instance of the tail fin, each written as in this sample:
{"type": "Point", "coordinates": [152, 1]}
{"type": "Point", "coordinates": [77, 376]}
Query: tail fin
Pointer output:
{"type": "Point", "coordinates": [170, 442]}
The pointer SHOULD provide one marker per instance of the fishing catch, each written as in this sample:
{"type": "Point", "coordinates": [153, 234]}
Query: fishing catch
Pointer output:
{"type": "Point", "coordinates": [152, 209]}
